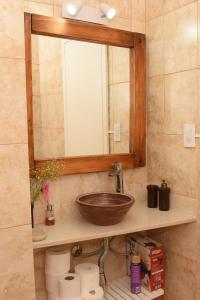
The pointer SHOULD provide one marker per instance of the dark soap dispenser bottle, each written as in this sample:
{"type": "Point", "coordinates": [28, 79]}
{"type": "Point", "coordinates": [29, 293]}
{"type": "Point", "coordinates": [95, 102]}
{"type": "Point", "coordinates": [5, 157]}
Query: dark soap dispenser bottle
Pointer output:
{"type": "Point", "coordinates": [164, 196]}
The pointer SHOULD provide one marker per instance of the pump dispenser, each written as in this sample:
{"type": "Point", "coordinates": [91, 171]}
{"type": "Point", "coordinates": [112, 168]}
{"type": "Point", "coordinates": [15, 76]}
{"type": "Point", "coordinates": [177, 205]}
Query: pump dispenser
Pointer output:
{"type": "Point", "coordinates": [164, 196]}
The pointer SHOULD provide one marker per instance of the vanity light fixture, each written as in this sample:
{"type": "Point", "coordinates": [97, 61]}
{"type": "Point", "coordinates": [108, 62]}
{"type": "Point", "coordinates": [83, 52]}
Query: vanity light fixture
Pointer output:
{"type": "Point", "coordinates": [74, 9]}
{"type": "Point", "coordinates": [73, 6]}
{"type": "Point", "coordinates": [108, 11]}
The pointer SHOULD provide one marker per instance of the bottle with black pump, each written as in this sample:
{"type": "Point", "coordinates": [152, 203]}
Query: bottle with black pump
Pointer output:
{"type": "Point", "coordinates": [164, 196]}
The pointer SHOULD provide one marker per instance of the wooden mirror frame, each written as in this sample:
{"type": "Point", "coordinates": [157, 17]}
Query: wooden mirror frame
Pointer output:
{"type": "Point", "coordinates": [70, 29]}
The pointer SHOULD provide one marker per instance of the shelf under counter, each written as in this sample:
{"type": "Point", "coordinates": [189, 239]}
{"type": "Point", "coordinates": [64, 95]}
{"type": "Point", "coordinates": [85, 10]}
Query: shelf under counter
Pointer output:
{"type": "Point", "coordinates": [139, 218]}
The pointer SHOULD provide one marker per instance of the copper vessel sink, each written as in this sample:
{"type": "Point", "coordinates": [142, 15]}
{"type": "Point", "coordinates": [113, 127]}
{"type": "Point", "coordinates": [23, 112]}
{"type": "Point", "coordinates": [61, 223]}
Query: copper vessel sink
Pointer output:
{"type": "Point", "coordinates": [104, 208]}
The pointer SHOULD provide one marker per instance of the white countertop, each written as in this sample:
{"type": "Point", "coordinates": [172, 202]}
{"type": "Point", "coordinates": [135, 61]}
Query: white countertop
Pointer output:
{"type": "Point", "coordinates": [139, 218]}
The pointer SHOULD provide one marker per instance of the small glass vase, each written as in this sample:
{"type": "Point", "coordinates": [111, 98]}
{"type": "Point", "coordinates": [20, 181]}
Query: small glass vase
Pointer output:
{"type": "Point", "coordinates": [38, 233]}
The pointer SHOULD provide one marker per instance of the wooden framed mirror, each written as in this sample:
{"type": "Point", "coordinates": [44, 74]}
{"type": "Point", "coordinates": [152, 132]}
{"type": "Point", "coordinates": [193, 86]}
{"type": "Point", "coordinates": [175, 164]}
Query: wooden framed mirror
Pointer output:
{"type": "Point", "coordinates": [92, 34]}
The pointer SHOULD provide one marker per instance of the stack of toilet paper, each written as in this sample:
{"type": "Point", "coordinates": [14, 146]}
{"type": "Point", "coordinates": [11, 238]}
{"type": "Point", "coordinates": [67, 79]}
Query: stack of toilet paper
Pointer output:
{"type": "Point", "coordinates": [89, 278]}
{"type": "Point", "coordinates": [56, 265]}
{"type": "Point", "coordinates": [69, 287]}
{"type": "Point", "coordinates": [62, 285]}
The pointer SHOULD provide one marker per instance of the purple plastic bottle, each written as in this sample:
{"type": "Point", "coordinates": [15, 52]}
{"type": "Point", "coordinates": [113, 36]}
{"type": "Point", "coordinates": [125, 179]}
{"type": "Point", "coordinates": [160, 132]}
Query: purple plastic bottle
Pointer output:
{"type": "Point", "coordinates": [135, 274]}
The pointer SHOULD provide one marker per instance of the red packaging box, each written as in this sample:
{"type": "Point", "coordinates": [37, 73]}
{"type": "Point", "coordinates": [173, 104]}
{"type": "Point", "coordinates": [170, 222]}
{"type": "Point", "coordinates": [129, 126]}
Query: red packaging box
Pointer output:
{"type": "Point", "coordinates": [152, 260]}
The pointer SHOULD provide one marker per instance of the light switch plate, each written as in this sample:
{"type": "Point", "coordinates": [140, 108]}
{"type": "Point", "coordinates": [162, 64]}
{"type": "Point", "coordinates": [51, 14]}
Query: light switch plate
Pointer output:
{"type": "Point", "coordinates": [189, 135]}
{"type": "Point", "coordinates": [117, 132]}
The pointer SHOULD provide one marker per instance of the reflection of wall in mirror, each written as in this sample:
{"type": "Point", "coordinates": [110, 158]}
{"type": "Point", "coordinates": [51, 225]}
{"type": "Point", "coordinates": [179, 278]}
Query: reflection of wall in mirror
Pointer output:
{"type": "Point", "coordinates": [119, 96]}
{"type": "Point", "coordinates": [62, 132]}
{"type": "Point", "coordinates": [47, 97]}
{"type": "Point", "coordinates": [85, 98]}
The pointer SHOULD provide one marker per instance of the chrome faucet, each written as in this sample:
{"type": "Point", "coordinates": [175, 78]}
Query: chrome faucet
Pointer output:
{"type": "Point", "coordinates": [118, 173]}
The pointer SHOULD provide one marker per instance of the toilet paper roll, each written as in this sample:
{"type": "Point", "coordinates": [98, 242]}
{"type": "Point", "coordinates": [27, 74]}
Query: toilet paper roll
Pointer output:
{"type": "Point", "coordinates": [95, 294]}
{"type": "Point", "coordinates": [52, 282]}
{"type": "Point", "coordinates": [57, 261]}
{"type": "Point", "coordinates": [89, 276]}
{"type": "Point", "coordinates": [69, 287]}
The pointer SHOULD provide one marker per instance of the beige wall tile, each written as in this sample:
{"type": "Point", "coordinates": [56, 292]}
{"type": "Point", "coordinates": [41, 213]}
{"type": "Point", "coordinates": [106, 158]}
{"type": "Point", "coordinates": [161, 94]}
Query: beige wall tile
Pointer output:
{"type": "Point", "coordinates": [154, 9]}
{"type": "Point", "coordinates": [37, 120]}
{"type": "Point", "coordinates": [198, 283]}
{"type": "Point", "coordinates": [181, 101]}
{"type": "Point", "coordinates": [123, 145]}
{"type": "Point", "coordinates": [156, 158]}
{"type": "Point", "coordinates": [120, 99]}
{"type": "Point", "coordinates": [85, 2]}
{"type": "Point", "coordinates": [180, 33]}
{"type": "Point", "coordinates": [14, 185]}
{"type": "Point", "coordinates": [13, 117]}
{"type": "Point", "coordinates": [138, 26]}
{"type": "Point", "coordinates": [50, 2]}
{"type": "Point", "coordinates": [198, 8]}
{"type": "Point", "coordinates": [35, 49]}
{"type": "Point", "coordinates": [119, 64]}
{"type": "Point", "coordinates": [155, 102]}
{"type": "Point", "coordinates": [138, 10]}
{"type": "Point", "coordinates": [155, 47]}
{"type": "Point", "coordinates": [120, 23]}
{"type": "Point", "coordinates": [16, 261]}
{"type": "Point", "coordinates": [137, 177]}
{"type": "Point", "coordinates": [52, 114]}
{"type": "Point", "coordinates": [38, 154]}
{"type": "Point", "coordinates": [12, 29]}
{"type": "Point", "coordinates": [51, 80]}
{"type": "Point", "coordinates": [52, 142]}
{"type": "Point", "coordinates": [36, 80]}
{"type": "Point", "coordinates": [170, 5]}
{"type": "Point", "coordinates": [184, 240]}
{"type": "Point", "coordinates": [57, 11]}
{"type": "Point", "coordinates": [168, 159]}
{"type": "Point", "coordinates": [40, 8]}
{"type": "Point", "coordinates": [49, 48]}
{"type": "Point", "coordinates": [181, 277]}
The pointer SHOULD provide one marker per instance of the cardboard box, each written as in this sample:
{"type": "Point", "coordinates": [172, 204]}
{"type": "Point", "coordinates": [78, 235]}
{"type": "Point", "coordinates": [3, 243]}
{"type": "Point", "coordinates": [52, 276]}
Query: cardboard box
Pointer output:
{"type": "Point", "coordinates": [152, 260]}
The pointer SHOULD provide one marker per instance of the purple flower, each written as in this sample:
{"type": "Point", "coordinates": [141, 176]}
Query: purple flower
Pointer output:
{"type": "Point", "coordinates": [45, 191]}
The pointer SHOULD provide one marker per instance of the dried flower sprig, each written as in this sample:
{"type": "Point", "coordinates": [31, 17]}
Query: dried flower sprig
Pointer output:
{"type": "Point", "coordinates": [39, 176]}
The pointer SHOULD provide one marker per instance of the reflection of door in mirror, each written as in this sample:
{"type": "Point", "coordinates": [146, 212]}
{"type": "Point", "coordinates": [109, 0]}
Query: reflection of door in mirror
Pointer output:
{"type": "Point", "coordinates": [81, 98]}
{"type": "Point", "coordinates": [85, 98]}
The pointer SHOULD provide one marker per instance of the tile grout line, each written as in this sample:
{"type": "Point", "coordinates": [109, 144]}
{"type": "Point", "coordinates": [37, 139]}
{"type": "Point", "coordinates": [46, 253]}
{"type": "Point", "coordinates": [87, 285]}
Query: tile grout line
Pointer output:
{"type": "Point", "coordinates": [170, 11]}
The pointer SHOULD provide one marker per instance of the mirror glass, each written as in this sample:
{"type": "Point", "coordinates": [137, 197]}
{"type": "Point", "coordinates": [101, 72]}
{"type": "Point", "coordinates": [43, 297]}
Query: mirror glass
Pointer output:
{"type": "Point", "coordinates": [81, 98]}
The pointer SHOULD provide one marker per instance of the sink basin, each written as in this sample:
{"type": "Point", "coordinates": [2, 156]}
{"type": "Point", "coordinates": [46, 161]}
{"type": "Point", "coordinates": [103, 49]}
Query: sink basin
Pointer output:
{"type": "Point", "coordinates": [104, 208]}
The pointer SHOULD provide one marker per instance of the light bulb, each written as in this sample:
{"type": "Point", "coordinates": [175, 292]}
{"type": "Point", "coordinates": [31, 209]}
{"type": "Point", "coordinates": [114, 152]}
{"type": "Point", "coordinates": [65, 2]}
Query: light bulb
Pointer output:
{"type": "Point", "coordinates": [108, 11]}
{"type": "Point", "coordinates": [73, 7]}
{"type": "Point", "coordinates": [111, 13]}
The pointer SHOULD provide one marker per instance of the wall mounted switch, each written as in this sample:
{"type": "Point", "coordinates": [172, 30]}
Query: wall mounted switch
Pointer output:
{"type": "Point", "coordinates": [189, 135]}
{"type": "Point", "coordinates": [117, 132]}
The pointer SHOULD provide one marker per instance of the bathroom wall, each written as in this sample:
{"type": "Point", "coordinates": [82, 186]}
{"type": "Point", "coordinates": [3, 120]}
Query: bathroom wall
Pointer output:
{"type": "Point", "coordinates": [119, 96]}
{"type": "Point", "coordinates": [16, 260]}
{"type": "Point", "coordinates": [173, 99]}
{"type": "Point", "coordinates": [131, 16]}
{"type": "Point", "coordinates": [64, 190]}
{"type": "Point", "coordinates": [48, 97]}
